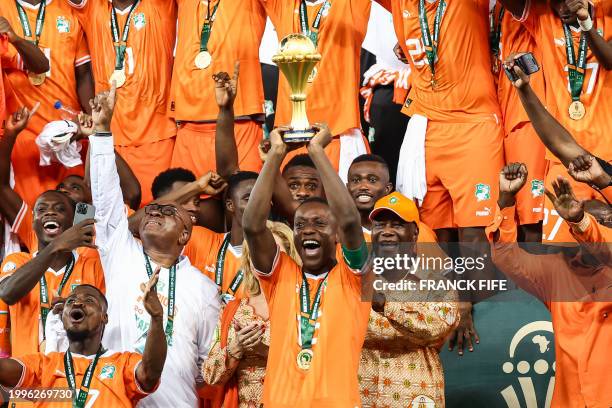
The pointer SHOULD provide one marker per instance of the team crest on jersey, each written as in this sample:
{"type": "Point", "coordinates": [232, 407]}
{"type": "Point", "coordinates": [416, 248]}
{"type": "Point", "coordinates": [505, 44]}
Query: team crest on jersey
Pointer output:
{"type": "Point", "coordinates": [139, 21]}
{"type": "Point", "coordinates": [107, 372]}
{"type": "Point", "coordinates": [483, 192]}
{"type": "Point", "coordinates": [537, 188]}
{"type": "Point", "coordinates": [62, 24]}
{"type": "Point", "coordinates": [9, 267]}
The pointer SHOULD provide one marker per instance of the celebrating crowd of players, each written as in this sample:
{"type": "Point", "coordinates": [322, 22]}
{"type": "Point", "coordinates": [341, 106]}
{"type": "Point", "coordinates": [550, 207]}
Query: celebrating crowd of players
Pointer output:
{"type": "Point", "coordinates": [217, 259]}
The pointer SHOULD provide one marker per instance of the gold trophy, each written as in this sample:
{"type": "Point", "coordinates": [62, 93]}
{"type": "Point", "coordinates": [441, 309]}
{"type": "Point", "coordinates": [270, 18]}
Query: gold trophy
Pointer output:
{"type": "Point", "coordinates": [296, 59]}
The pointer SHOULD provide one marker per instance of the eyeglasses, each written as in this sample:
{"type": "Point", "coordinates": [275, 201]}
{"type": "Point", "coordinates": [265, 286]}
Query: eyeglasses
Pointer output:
{"type": "Point", "coordinates": [167, 210]}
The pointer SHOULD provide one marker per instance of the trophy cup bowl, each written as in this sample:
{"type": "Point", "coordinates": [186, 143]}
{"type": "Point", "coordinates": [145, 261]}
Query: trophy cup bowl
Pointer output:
{"type": "Point", "coordinates": [296, 59]}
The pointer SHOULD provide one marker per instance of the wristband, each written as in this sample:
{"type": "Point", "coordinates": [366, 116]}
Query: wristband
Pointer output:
{"type": "Point", "coordinates": [355, 258]}
{"type": "Point", "coordinates": [581, 225]}
{"type": "Point", "coordinates": [103, 134]}
{"type": "Point", "coordinates": [586, 25]}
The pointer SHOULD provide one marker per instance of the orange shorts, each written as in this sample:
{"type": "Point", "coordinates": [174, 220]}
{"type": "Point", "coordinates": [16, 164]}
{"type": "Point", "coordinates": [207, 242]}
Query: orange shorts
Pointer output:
{"type": "Point", "coordinates": [462, 161]}
{"type": "Point", "coordinates": [195, 146]}
{"type": "Point", "coordinates": [524, 146]}
{"type": "Point", "coordinates": [332, 151]}
{"type": "Point", "coordinates": [30, 179]}
{"type": "Point", "coordinates": [147, 161]}
{"type": "Point", "coordinates": [555, 229]}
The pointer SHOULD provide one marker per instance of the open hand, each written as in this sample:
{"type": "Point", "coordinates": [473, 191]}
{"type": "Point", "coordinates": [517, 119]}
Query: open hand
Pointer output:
{"type": "Point", "coordinates": [579, 8]}
{"type": "Point", "coordinates": [19, 119]}
{"type": "Point", "coordinates": [226, 88]}
{"type": "Point", "coordinates": [586, 169]}
{"type": "Point", "coordinates": [79, 235]}
{"type": "Point", "coordinates": [102, 107]}
{"type": "Point", "coordinates": [151, 302]}
{"type": "Point", "coordinates": [462, 335]}
{"type": "Point", "coordinates": [564, 200]}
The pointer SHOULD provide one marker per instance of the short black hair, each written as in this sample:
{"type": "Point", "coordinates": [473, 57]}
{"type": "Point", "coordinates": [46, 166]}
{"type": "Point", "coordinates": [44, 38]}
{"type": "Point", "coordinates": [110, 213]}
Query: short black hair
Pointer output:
{"type": "Point", "coordinates": [303, 160]}
{"type": "Point", "coordinates": [235, 179]}
{"type": "Point", "coordinates": [74, 175]}
{"type": "Point", "coordinates": [370, 158]}
{"type": "Point", "coordinates": [69, 200]}
{"type": "Point", "coordinates": [164, 180]}
{"type": "Point", "coordinates": [314, 200]}
{"type": "Point", "coordinates": [97, 290]}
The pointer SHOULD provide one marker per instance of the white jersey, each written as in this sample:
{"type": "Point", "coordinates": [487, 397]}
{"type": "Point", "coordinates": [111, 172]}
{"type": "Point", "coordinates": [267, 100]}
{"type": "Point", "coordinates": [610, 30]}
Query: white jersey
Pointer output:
{"type": "Point", "coordinates": [197, 301]}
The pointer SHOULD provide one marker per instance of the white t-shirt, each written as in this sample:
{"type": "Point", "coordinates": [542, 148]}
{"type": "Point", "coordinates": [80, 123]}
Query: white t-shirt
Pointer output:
{"type": "Point", "coordinates": [197, 301]}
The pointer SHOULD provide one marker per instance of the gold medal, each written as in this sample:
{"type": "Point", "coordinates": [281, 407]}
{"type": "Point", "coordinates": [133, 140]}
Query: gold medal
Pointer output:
{"type": "Point", "coordinates": [203, 60]}
{"type": "Point", "coordinates": [37, 79]}
{"type": "Point", "coordinates": [304, 359]}
{"type": "Point", "coordinates": [433, 83]}
{"type": "Point", "coordinates": [118, 76]}
{"type": "Point", "coordinates": [576, 110]}
{"type": "Point", "coordinates": [313, 75]}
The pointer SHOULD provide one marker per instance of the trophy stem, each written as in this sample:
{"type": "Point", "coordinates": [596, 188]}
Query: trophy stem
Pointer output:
{"type": "Point", "coordinates": [299, 120]}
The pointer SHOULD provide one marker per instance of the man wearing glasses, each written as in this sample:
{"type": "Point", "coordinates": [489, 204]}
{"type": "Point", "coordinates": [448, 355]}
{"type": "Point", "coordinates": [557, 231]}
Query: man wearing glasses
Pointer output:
{"type": "Point", "coordinates": [190, 300]}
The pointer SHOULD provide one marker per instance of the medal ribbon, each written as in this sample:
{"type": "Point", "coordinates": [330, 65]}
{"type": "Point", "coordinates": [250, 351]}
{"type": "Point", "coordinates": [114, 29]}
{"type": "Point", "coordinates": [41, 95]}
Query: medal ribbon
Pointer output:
{"type": "Point", "coordinates": [220, 265]}
{"type": "Point", "coordinates": [495, 31]}
{"type": "Point", "coordinates": [121, 44]}
{"type": "Point", "coordinates": [308, 316]}
{"type": "Point", "coordinates": [171, 296]}
{"type": "Point", "coordinates": [44, 292]}
{"type": "Point", "coordinates": [40, 20]}
{"type": "Point", "coordinates": [431, 45]}
{"type": "Point", "coordinates": [207, 27]}
{"type": "Point", "coordinates": [312, 33]}
{"type": "Point", "coordinates": [575, 70]}
{"type": "Point", "coordinates": [80, 395]}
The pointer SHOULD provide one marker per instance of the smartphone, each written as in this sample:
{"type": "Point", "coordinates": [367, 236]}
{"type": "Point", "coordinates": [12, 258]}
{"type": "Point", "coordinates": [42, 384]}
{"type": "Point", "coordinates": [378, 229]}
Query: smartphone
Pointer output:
{"type": "Point", "coordinates": [525, 62]}
{"type": "Point", "coordinates": [83, 212]}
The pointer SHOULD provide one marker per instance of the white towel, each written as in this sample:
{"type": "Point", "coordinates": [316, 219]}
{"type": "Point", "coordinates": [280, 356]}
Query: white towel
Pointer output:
{"type": "Point", "coordinates": [56, 338]}
{"type": "Point", "coordinates": [54, 144]}
{"type": "Point", "coordinates": [11, 240]}
{"type": "Point", "coordinates": [351, 146]}
{"type": "Point", "coordinates": [411, 179]}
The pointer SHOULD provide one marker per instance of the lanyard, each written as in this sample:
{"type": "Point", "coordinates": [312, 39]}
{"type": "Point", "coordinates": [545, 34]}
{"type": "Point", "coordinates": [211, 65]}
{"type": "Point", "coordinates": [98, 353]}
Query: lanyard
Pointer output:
{"type": "Point", "coordinates": [575, 70]}
{"type": "Point", "coordinates": [121, 45]}
{"type": "Point", "coordinates": [40, 20]}
{"type": "Point", "coordinates": [44, 291]}
{"type": "Point", "coordinates": [312, 33]}
{"type": "Point", "coordinates": [495, 31]}
{"type": "Point", "coordinates": [83, 392]}
{"type": "Point", "coordinates": [431, 44]}
{"type": "Point", "coordinates": [207, 27]}
{"type": "Point", "coordinates": [171, 295]}
{"type": "Point", "coordinates": [235, 284]}
{"type": "Point", "coordinates": [308, 315]}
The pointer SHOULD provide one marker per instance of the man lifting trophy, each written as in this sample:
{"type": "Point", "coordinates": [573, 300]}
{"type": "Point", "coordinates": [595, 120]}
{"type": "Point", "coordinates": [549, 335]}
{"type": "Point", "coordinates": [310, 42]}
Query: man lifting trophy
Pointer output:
{"type": "Point", "coordinates": [296, 59]}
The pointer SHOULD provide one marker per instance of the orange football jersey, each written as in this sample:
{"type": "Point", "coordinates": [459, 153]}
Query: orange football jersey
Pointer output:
{"type": "Point", "coordinates": [336, 84]}
{"type": "Point", "coordinates": [140, 113]}
{"type": "Point", "coordinates": [25, 316]}
{"type": "Point", "coordinates": [236, 33]}
{"type": "Point", "coordinates": [465, 89]}
{"type": "Point", "coordinates": [591, 132]}
{"type": "Point", "coordinates": [5, 330]}
{"type": "Point", "coordinates": [113, 384]}
{"type": "Point", "coordinates": [62, 41]}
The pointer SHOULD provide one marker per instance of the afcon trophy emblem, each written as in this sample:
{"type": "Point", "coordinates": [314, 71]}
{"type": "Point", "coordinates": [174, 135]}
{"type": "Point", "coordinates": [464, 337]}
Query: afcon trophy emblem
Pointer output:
{"type": "Point", "coordinates": [296, 59]}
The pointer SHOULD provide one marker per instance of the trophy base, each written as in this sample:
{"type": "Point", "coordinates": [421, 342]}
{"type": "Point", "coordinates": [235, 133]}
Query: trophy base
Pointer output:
{"type": "Point", "coordinates": [298, 136]}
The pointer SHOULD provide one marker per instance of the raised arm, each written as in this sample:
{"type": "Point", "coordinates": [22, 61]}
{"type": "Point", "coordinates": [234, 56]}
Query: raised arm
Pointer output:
{"type": "Point", "coordinates": [17, 285]}
{"type": "Point", "coordinates": [259, 238]}
{"type": "Point", "coordinates": [226, 152]}
{"type": "Point", "coordinates": [341, 204]}
{"type": "Point", "coordinates": [33, 58]}
{"type": "Point", "coordinates": [10, 201]}
{"type": "Point", "coordinates": [554, 136]}
{"type": "Point", "coordinates": [106, 192]}
{"type": "Point", "coordinates": [10, 372]}
{"type": "Point", "coordinates": [85, 85]}
{"type": "Point", "coordinates": [150, 369]}
{"type": "Point", "coordinates": [601, 48]}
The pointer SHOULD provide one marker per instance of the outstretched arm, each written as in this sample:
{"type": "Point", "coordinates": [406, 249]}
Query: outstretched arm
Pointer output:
{"type": "Point", "coordinates": [226, 152]}
{"type": "Point", "coordinates": [10, 201]}
{"type": "Point", "coordinates": [33, 58]}
{"type": "Point", "coordinates": [601, 48]}
{"type": "Point", "coordinates": [10, 372]}
{"type": "Point", "coordinates": [554, 136]}
{"type": "Point", "coordinates": [150, 369]}
{"type": "Point", "coordinates": [341, 204]}
{"type": "Point", "coordinates": [259, 238]}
